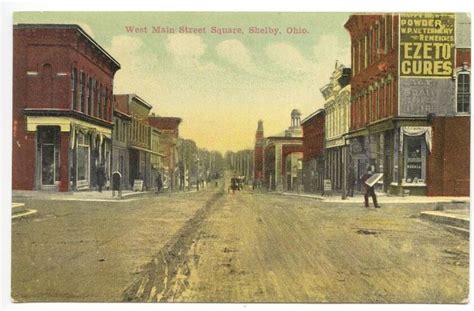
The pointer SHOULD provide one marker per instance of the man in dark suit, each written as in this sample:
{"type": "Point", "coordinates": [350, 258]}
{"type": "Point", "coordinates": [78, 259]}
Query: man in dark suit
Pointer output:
{"type": "Point", "coordinates": [101, 177]}
{"type": "Point", "coordinates": [369, 191]}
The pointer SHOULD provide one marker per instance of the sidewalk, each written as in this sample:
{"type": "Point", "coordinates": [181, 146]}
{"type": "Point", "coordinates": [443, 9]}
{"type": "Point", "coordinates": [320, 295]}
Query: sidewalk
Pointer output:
{"type": "Point", "coordinates": [91, 196]}
{"type": "Point", "coordinates": [382, 198]}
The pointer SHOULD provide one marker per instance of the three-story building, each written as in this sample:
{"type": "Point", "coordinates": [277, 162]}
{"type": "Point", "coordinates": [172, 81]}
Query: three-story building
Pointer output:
{"type": "Point", "coordinates": [410, 101]}
{"type": "Point", "coordinates": [337, 118]}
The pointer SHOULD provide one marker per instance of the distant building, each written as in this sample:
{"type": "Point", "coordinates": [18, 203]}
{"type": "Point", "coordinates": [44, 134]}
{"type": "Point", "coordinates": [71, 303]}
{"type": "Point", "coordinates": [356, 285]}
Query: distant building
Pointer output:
{"type": "Point", "coordinates": [258, 153]}
{"type": "Point", "coordinates": [122, 121]}
{"type": "Point", "coordinates": [410, 103]}
{"type": "Point", "coordinates": [313, 151]}
{"type": "Point", "coordinates": [283, 156]}
{"type": "Point", "coordinates": [139, 139]}
{"type": "Point", "coordinates": [337, 95]}
{"type": "Point", "coordinates": [169, 129]}
{"type": "Point", "coordinates": [157, 156]}
{"type": "Point", "coordinates": [62, 107]}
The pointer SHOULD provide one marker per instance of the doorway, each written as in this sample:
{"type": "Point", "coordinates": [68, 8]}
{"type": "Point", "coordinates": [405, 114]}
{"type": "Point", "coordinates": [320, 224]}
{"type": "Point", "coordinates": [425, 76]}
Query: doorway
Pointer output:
{"type": "Point", "coordinates": [48, 160]}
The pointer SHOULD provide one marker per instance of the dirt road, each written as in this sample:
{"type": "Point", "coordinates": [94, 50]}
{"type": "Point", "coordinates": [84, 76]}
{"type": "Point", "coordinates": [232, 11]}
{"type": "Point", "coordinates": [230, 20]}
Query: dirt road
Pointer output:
{"type": "Point", "coordinates": [83, 251]}
{"type": "Point", "coordinates": [213, 246]}
{"type": "Point", "coordinates": [270, 248]}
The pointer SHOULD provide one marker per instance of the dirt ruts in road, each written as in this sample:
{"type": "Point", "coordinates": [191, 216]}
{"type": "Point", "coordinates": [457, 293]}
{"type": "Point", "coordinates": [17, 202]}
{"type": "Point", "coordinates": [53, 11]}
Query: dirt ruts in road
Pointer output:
{"type": "Point", "coordinates": [166, 275]}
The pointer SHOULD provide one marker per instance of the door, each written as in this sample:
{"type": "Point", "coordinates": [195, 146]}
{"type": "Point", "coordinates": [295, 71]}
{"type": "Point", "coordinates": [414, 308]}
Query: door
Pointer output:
{"type": "Point", "coordinates": [133, 166]}
{"type": "Point", "coordinates": [47, 176]}
{"type": "Point", "coordinates": [48, 165]}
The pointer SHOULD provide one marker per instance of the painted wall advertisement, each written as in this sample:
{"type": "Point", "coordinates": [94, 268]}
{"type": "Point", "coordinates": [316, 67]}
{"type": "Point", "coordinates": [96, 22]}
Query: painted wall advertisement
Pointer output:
{"type": "Point", "coordinates": [427, 45]}
{"type": "Point", "coordinates": [427, 62]}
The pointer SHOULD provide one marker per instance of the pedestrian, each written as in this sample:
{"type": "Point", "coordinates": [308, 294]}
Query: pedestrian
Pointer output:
{"type": "Point", "coordinates": [117, 184]}
{"type": "Point", "coordinates": [369, 190]}
{"type": "Point", "coordinates": [100, 173]}
{"type": "Point", "coordinates": [158, 183]}
{"type": "Point", "coordinates": [350, 182]}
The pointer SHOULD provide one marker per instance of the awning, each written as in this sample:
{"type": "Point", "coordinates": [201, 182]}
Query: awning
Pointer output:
{"type": "Point", "coordinates": [413, 131]}
{"type": "Point", "coordinates": [65, 123]}
{"type": "Point", "coordinates": [147, 150]}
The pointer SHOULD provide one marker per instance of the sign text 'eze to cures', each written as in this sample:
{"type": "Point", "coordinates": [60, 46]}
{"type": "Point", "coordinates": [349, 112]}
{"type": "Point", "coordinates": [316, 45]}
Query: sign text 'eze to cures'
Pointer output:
{"type": "Point", "coordinates": [426, 45]}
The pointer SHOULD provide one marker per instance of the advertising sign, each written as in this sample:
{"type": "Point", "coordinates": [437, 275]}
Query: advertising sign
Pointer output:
{"type": "Point", "coordinates": [427, 45]}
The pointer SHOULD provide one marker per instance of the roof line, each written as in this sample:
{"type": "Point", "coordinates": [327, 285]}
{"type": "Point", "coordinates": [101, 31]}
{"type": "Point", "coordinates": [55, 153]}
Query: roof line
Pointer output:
{"type": "Point", "coordinates": [312, 115]}
{"type": "Point", "coordinates": [69, 26]}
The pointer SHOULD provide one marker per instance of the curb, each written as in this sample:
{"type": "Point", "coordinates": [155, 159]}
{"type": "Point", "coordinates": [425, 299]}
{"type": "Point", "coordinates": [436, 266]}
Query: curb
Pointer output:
{"type": "Point", "coordinates": [445, 219]}
{"type": "Point", "coordinates": [24, 214]}
{"type": "Point", "coordinates": [461, 231]}
{"type": "Point", "coordinates": [452, 203]}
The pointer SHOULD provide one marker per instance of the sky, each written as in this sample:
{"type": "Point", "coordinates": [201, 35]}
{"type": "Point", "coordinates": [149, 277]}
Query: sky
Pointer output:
{"type": "Point", "coordinates": [219, 84]}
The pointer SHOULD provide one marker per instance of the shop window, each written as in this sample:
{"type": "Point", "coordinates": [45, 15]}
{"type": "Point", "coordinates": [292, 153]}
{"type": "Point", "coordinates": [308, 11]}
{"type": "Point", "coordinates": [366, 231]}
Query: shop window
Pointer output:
{"type": "Point", "coordinates": [463, 92]}
{"type": "Point", "coordinates": [83, 158]}
{"type": "Point", "coordinates": [415, 159]}
{"type": "Point", "coordinates": [48, 144]}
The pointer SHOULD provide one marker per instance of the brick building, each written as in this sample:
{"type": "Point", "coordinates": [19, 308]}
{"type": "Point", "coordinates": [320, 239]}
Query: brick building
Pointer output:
{"type": "Point", "coordinates": [169, 129]}
{"type": "Point", "coordinates": [62, 107]}
{"type": "Point", "coordinates": [313, 151]}
{"type": "Point", "coordinates": [410, 98]}
{"type": "Point", "coordinates": [138, 139]}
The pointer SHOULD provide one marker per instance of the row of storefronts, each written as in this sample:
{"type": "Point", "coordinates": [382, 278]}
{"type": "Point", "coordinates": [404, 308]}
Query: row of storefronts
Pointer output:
{"type": "Point", "coordinates": [387, 114]}
{"type": "Point", "coordinates": [70, 132]}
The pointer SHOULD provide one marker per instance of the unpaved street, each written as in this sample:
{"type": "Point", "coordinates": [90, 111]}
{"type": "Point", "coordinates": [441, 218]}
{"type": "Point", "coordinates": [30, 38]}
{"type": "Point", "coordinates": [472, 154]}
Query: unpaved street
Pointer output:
{"type": "Point", "coordinates": [213, 246]}
{"type": "Point", "coordinates": [91, 251]}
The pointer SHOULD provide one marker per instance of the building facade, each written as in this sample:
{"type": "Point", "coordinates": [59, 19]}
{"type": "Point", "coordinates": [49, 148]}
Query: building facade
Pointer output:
{"type": "Point", "coordinates": [120, 159]}
{"type": "Point", "coordinates": [169, 133]}
{"type": "Point", "coordinates": [156, 157]}
{"type": "Point", "coordinates": [409, 98]}
{"type": "Point", "coordinates": [337, 96]}
{"type": "Point", "coordinates": [313, 151]}
{"type": "Point", "coordinates": [138, 140]}
{"type": "Point", "coordinates": [62, 107]}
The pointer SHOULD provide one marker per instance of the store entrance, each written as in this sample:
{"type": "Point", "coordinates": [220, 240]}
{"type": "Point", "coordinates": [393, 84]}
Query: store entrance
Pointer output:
{"type": "Point", "coordinates": [48, 151]}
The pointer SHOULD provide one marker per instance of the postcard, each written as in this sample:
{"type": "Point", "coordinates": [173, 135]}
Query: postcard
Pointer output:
{"type": "Point", "coordinates": [279, 157]}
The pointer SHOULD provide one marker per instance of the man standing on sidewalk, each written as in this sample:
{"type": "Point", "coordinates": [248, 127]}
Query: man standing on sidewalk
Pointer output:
{"type": "Point", "coordinates": [350, 181]}
{"type": "Point", "coordinates": [369, 190]}
{"type": "Point", "coordinates": [158, 183]}
{"type": "Point", "coordinates": [101, 176]}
